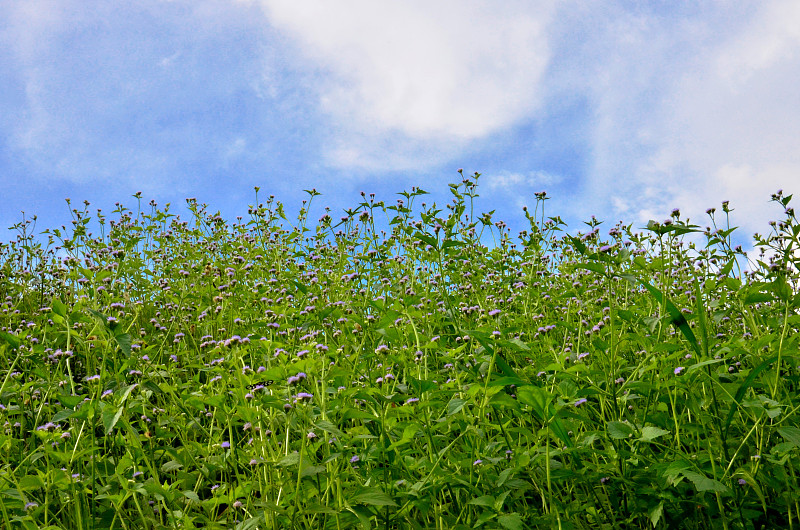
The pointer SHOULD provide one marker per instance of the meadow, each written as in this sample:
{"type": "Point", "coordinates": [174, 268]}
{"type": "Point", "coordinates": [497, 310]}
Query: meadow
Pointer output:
{"type": "Point", "coordinates": [159, 372]}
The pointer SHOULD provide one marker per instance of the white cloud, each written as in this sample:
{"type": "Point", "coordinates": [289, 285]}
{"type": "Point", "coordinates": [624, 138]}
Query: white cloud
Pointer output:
{"type": "Point", "coordinates": [692, 110]}
{"type": "Point", "coordinates": [444, 72]}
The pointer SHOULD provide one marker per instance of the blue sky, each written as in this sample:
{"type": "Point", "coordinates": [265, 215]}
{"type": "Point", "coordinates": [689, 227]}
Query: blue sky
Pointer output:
{"type": "Point", "coordinates": [619, 109]}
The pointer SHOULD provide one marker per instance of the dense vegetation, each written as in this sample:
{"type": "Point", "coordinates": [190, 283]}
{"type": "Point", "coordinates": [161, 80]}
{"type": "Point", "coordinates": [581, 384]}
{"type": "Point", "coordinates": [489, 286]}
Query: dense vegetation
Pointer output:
{"type": "Point", "coordinates": [170, 373]}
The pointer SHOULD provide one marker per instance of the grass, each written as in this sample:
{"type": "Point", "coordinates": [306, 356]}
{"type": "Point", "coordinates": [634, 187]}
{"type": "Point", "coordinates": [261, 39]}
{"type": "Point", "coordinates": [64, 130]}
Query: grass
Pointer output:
{"type": "Point", "coordinates": [170, 373]}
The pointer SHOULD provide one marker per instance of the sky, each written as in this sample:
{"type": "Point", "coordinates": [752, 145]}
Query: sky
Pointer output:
{"type": "Point", "coordinates": [619, 109]}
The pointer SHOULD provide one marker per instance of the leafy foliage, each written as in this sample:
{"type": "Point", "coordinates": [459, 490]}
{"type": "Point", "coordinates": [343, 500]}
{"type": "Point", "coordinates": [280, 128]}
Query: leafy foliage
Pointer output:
{"type": "Point", "coordinates": [173, 373]}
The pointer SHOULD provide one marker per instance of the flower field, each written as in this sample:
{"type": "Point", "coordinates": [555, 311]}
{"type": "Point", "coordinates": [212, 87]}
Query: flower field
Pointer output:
{"type": "Point", "coordinates": [161, 372]}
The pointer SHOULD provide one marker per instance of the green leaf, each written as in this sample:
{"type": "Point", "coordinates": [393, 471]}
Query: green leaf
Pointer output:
{"type": "Point", "coordinates": [655, 513]}
{"type": "Point", "coordinates": [538, 399]}
{"type": "Point", "coordinates": [791, 435]}
{"type": "Point", "coordinates": [677, 317]}
{"type": "Point", "coordinates": [745, 385]}
{"type": "Point", "coordinates": [191, 495]}
{"type": "Point", "coordinates": [511, 521]}
{"type": "Point", "coordinates": [31, 482]}
{"type": "Point", "coordinates": [452, 243]}
{"type": "Point", "coordinates": [703, 483]}
{"type": "Point", "coordinates": [127, 392]}
{"type": "Point", "coordinates": [485, 500]}
{"type": "Point", "coordinates": [12, 340]}
{"type": "Point", "coordinates": [124, 342]}
{"type": "Point", "coordinates": [651, 433]}
{"type": "Point", "coordinates": [372, 497]}
{"type": "Point", "coordinates": [594, 267]}
{"type": "Point", "coordinates": [70, 401]}
{"type": "Point", "coordinates": [172, 465]}
{"type": "Point", "coordinates": [111, 417]}
{"type": "Point", "coordinates": [697, 366]}
{"type": "Point", "coordinates": [425, 238]}
{"type": "Point", "coordinates": [310, 471]}
{"type": "Point", "coordinates": [757, 298]}
{"type": "Point", "coordinates": [328, 427]}
{"type": "Point", "coordinates": [455, 406]}
{"type": "Point", "coordinates": [253, 523]}
{"type": "Point", "coordinates": [619, 430]}
{"type": "Point", "coordinates": [62, 415]}
{"type": "Point", "coordinates": [59, 308]}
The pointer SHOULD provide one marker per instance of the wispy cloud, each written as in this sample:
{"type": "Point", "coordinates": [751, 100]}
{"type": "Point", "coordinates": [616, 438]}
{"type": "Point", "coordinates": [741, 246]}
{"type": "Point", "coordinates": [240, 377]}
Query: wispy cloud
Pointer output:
{"type": "Point", "coordinates": [688, 108]}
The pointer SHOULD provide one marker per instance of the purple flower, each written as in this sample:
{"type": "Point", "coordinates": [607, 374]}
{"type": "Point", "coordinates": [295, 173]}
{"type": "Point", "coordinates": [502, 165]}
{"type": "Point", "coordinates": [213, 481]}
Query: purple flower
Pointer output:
{"type": "Point", "coordinates": [477, 462]}
{"type": "Point", "coordinates": [226, 445]}
{"type": "Point", "coordinates": [354, 459]}
{"type": "Point", "coordinates": [678, 370]}
{"type": "Point", "coordinates": [494, 312]}
{"type": "Point", "coordinates": [311, 435]}
{"type": "Point", "coordinates": [580, 402]}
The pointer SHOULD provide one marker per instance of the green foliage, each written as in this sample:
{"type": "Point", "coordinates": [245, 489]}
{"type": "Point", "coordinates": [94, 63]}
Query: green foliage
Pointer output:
{"type": "Point", "coordinates": [171, 373]}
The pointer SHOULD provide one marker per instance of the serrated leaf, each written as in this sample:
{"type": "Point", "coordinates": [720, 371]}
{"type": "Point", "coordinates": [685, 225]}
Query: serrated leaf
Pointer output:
{"type": "Point", "coordinates": [172, 465]}
{"type": "Point", "coordinates": [790, 434]}
{"type": "Point", "coordinates": [425, 238]}
{"type": "Point", "coordinates": [124, 342]}
{"type": "Point", "coordinates": [59, 308]}
{"type": "Point", "coordinates": [619, 430]}
{"type": "Point", "coordinates": [757, 298]}
{"type": "Point", "coordinates": [62, 415]}
{"type": "Point", "coordinates": [484, 500]}
{"type": "Point", "coordinates": [455, 406]}
{"type": "Point", "coordinates": [110, 418]}
{"type": "Point", "coordinates": [703, 483]}
{"type": "Point", "coordinates": [70, 401]}
{"type": "Point", "coordinates": [328, 427]}
{"type": "Point", "coordinates": [310, 471]}
{"type": "Point", "coordinates": [655, 513]}
{"type": "Point", "coordinates": [289, 460]}
{"type": "Point", "coordinates": [191, 495]}
{"type": "Point", "coordinates": [651, 433]}
{"type": "Point", "coordinates": [511, 521]}
{"type": "Point", "coordinates": [538, 399]}
{"type": "Point", "coordinates": [127, 392]}
{"type": "Point", "coordinates": [12, 340]}
{"type": "Point", "coordinates": [30, 482]}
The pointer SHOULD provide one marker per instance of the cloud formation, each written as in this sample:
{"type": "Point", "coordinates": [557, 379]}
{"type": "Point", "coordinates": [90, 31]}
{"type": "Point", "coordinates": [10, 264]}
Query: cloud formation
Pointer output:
{"type": "Point", "coordinates": [397, 77]}
{"type": "Point", "coordinates": [688, 108]}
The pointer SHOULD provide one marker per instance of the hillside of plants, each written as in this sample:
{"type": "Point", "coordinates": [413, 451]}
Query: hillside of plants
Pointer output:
{"type": "Point", "coordinates": [169, 372]}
